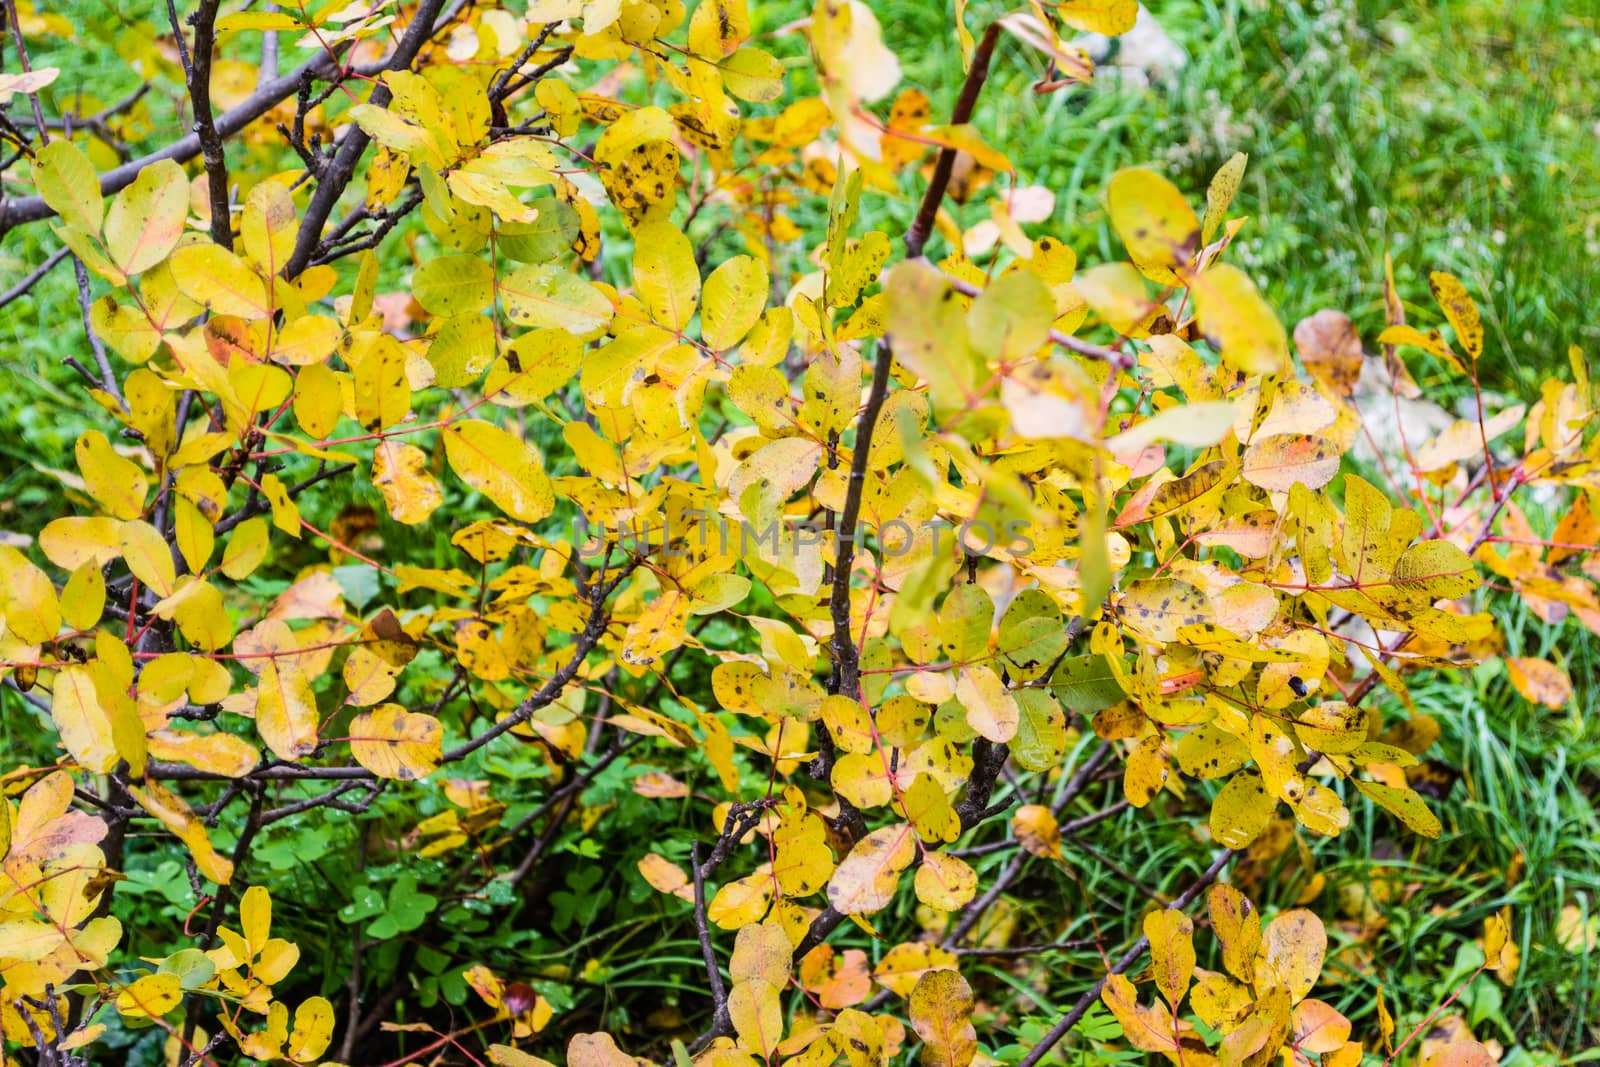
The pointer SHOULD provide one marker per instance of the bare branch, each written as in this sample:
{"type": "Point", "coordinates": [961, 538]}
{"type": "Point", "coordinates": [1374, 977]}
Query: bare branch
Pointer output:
{"type": "Point", "coordinates": [702, 925]}
{"type": "Point", "coordinates": [22, 287]}
{"type": "Point", "coordinates": [334, 178]}
{"type": "Point", "coordinates": [977, 74]}
{"type": "Point", "coordinates": [108, 376]}
{"type": "Point", "coordinates": [205, 126]}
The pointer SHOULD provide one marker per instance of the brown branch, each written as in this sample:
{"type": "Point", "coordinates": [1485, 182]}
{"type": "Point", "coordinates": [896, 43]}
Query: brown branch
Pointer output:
{"type": "Point", "coordinates": [847, 660]}
{"type": "Point", "coordinates": [205, 126]}
{"type": "Point", "coordinates": [177, 33]}
{"type": "Point", "coordinates": [702, 926]}
{"type": "Point", "coordinates": [336, 175]}
{"type": "Point", "coordinates": [922, 226]}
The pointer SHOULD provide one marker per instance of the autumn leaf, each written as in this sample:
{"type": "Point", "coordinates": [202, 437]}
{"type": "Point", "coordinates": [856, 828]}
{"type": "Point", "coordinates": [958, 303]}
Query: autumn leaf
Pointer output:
{"type": "Point", "coordinates": [941, 1014]}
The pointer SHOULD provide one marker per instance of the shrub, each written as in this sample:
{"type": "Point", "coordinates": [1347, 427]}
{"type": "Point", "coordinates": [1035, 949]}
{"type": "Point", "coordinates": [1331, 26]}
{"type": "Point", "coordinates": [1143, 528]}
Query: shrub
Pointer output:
{"type": "Point", "coordinates": [730, 567]}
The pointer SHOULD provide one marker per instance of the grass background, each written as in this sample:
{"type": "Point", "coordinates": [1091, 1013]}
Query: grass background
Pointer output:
{"type": "Point", "coordinates": [1460, 136]}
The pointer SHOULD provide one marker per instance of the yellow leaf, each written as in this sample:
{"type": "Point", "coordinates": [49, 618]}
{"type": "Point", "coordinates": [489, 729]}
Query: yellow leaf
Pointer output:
{"type": "Point", "coordinates": [1237, 926]}
{"type": "Point", "coordinates": [83, 598]}
{"type": "Point", "coordinates": [1146, 772]}
{"type": "Point", "coordinates": [1241, 810]}
{"type": "Point", "coordinates": [27, 940]}
{"type": "Point", "coordinates": [151, 996]}
{"type": "Point", "coordinates": [1154, 221]}
{"type": "Point", "coordinates": [1147, 1028]}
{"type": "Point", "coordinates": [904, 965]}
{"type": "Point", "coordinates": [536, 365]}
{"type": "Point", "coordinates": [267, 226]}
{"type": "Point", "coordinates": [32, 610]}
{"type": "Point", "coordinates": [1540, 681]}
{"type": "Point", "coordinates": [664, 270]}
{"type": "Point", "coordinates": [506, 1056]}
{"type": "Point", "coordinates": [286, 710]}
{"type": "Point", "coordinates": [1197, 425]}
{"type": "Point", "coordinates": [71, 542]}
{"type": "Point", "coordinates": [400, 472]}
{"type": "Point", "coordinates": [392, 742]}
{"type": "Point", "coordinates": [757, 1016]}
{"type": "Point", "coordinates": [317, 403]}
{"type": "Point", "coordinates": [220, 753]}
{"type": "Point", "coordinates": [313, 1029]}
{"type": "Point", "coordinates": [1319, 1028]}
{"type": "Point", "coordinates": [1220, 193]}
{"type": "Point", "coordinates": [117, 485]}
{"type": "Point", "coordinates": [1109, 17]}
{"type": "Point", "coordinates": [665, 876]}
{"type": "Point", "coordinates": [1035, 829]}
{"type": "Point", "coordinates": [1280, 461]}
{"type": "Point", "coordinates": [1404, 804]}
{"type": "Point", "coordinates": [197, 607]}
{"type": "Point", "coordinates": [1293, 945]}
{"type": "Point", "coordinates": [966, 138]}
{"type": "Point", "coordinates": [941, 1014]}
{"type": "Point", "coordinates": [1459, 311]}
{"type": "Point", "coordinates": [502, 467]}
{"type": "Point", "coordinates": [866, 879]}
{"type": "Point", "coordinates": [193, 534]}
{"type": "Point", "coordinates": [945, 882]}
{"type": "Point", "coordinates": [1238, 321]}
{"type": "Point", "coordinates": [380, 389]}
{"type": "Point", "coordinates": [66, 179]}
{"type": "Point", "coordinates": [1171, 936]}
{"type": "Point", "coordinates": [148, 556]}
{"type": "Point", "coordinates": [549, 296]}
{"type": "Point", "coordinates": [718, 27]}
{"type": "Point", "coordinates": [1159, 607]}
{"type": "Point", "coordinates": [990, 707]}
{"type": "Point", "coordinates": [247, 547]}
{"type": "Point", "coordinates": [176, 816]}
{"type": "Point", "coordinates": [751, 74]}
{"type": "Point", "coordinates": [735, 296]}
{"type": "Point", "coordinates": [929, 809]}
{"type": "Point", "coordinates": [85, 726]}
{"type": "Point", "coordinates": [285, 514]}
{"type": "Point", "coordinates": [146, 219]}
{"type": "Point", "coordinates": [369, 674]}
{"type": "Point", "coordinates": [255, 918]}
{"type": "Point", "coordinates": [454, 285]}
{"type": "Point", "coordinates": [211, 275]}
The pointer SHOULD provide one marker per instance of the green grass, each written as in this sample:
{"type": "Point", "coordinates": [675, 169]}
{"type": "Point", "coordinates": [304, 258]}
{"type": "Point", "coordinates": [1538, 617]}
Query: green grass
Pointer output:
{"type": "Point", "coordinates": [1453, 136]}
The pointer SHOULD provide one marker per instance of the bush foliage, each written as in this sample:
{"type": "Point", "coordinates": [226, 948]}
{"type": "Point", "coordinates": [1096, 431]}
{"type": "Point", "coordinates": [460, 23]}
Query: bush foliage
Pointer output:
{"type": "Point", "coordinates": [587, 553]}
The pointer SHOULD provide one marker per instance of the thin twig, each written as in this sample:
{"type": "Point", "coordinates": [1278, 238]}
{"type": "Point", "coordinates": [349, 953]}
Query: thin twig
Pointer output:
{"type": "Point", "coordinates": [22, 287]}
{"type": "Point", "coordinates": [108, 377]}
